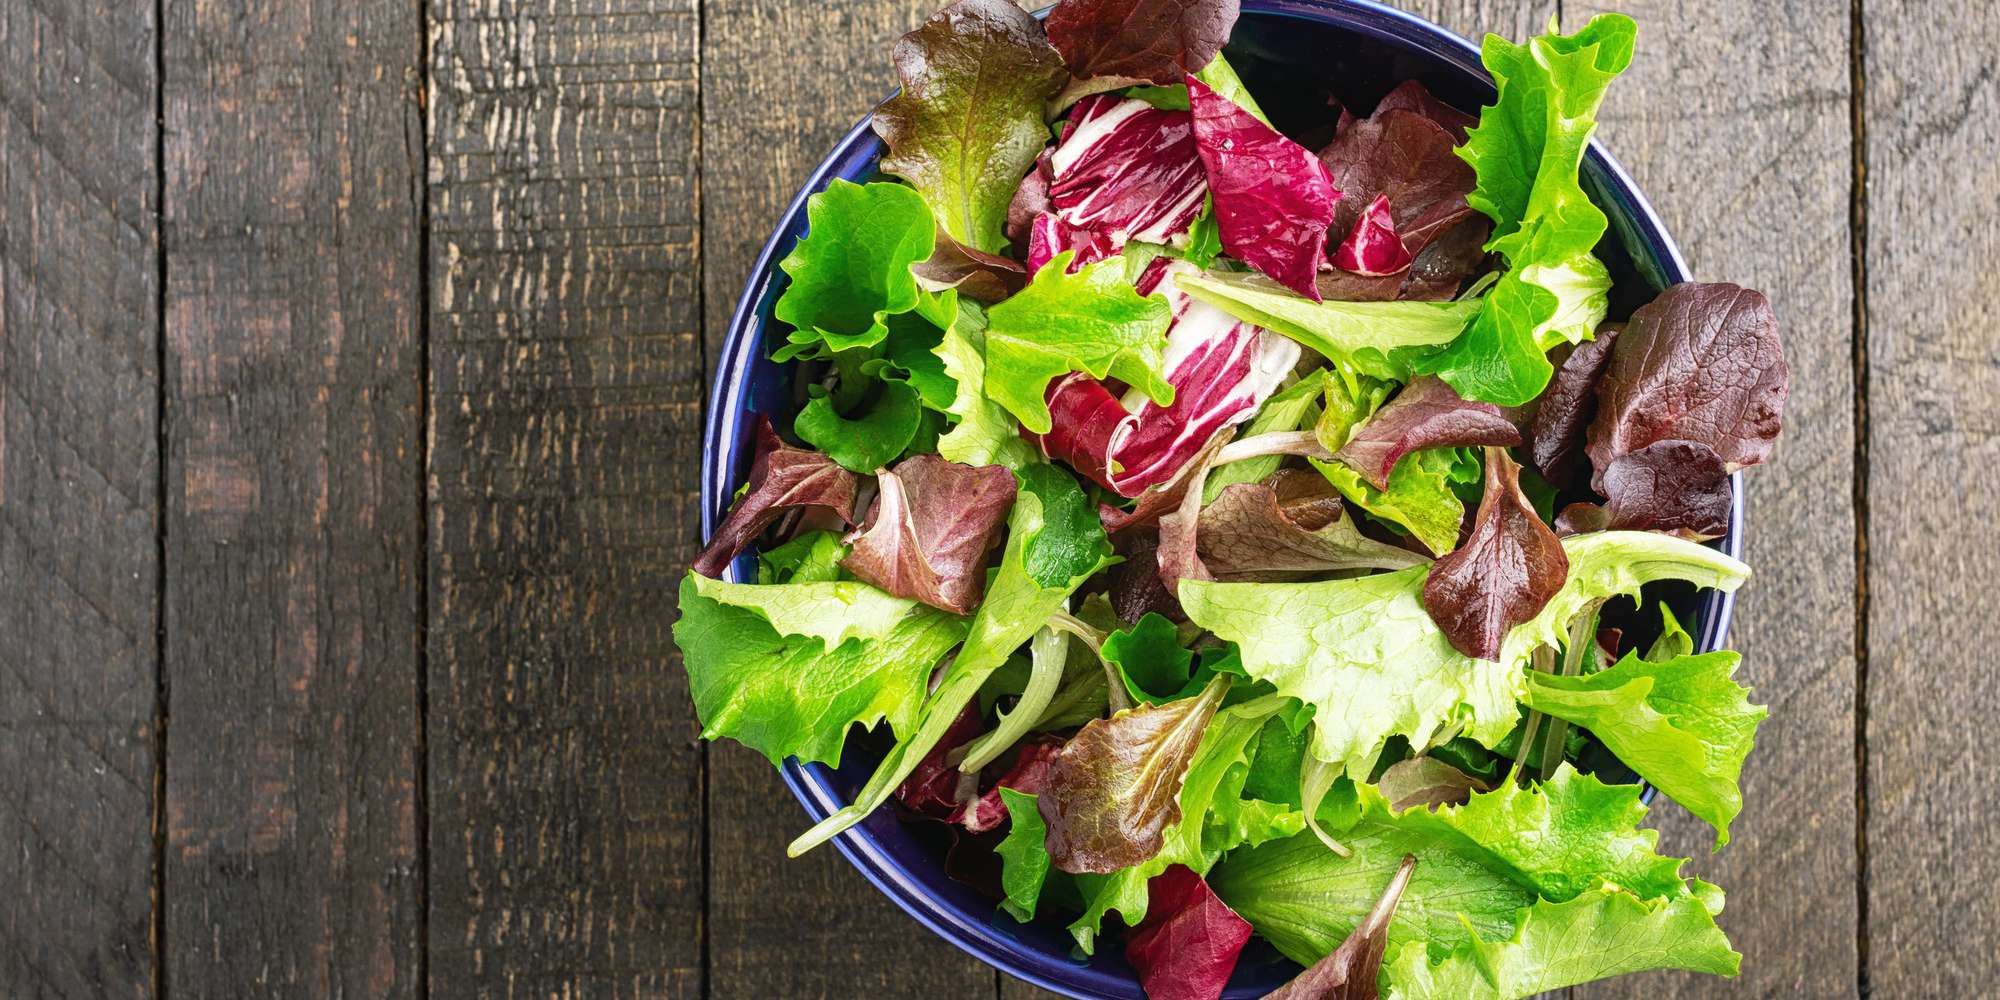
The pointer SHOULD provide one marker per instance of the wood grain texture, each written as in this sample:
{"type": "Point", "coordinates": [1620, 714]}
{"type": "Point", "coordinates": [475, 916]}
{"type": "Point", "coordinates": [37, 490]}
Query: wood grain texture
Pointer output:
{"type": "Point", "coordinates": [781, 81]}
{"type": "Point", "coordinates": [566, 372]}
{"type": "Point", "coordinates": [293, 206]}
{"type": "Point", "coordinates": [1933, 157]}
{"type": "Point", "coordinates": [79, 510]}
{"type": "Point", "coordinates": [1734, 121]}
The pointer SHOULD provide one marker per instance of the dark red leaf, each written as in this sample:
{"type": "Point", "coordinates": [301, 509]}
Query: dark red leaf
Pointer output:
{"type": "Point", "coordinates": [1426, 781]}
{"type": "Point", "coordinates": [932, 788]}
{"type": "Point", "coordinates": [1427, 414]}
{"type": "Point", "coordinates": [1115, 787]}
{"type": "Point", "coordinates": [1187, 946]}
{"type": "Point", "coordinates": [1031, 199]}
{"type": "Point", "coordinates": [1565, 408]}
{"type": "Point", "coordinates": [1503, 574]}
{"type": "Point", "coordinates": [1351, 970]}
{"type": "Point", "coordinates": [1372, 249]}
{"type": "Point", "coordinates": [1135, 40]}
{"type": "Point", "coordinates": [1405, 152]}
{"type": "Point", "coordinates": [1273, 198]}
{"type": "Point", "coordinates": [1678, 486]}
{"type": "Point", "coordinates": [1136, 587]}
{"type": "Point", "coordinates": [1582, 519]}
{"type": "Point", "coordinates": [929, 532]}
{"type": "Point", "coordinates": [1028, 775]}
{"type": "Point", "coordinates": [1412, 95]}
{"type": "Point", "coordinates": [977, 275]}
{"type": "Point", "coordinates": [782, 478]}
{"type": "Point", "coordinates": [1700, 363]}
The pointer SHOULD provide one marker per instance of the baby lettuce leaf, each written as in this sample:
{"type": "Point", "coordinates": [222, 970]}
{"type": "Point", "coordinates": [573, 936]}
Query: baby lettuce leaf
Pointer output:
{"type": "Point", "coordinates": [1189, 942]}
{"type": "Point", "coordinates": [869, 440]}
{"type": "Point", "coordinates": [1350, 971]}
{"type": "Point", "coordinates": [1703, 363]}
{"type": "Point", "coordinates": [909, 355]}
{"type": "Point", "coordinates": [1380, 339]}
{"type": "Point", "coordinates": [1526, 152]}
{"type": "Point", "coordinates": [1504, 573]}
{"type": "Point", "coordinates": [1423, 782]}
{"type": "Point", "coordinates": [1289, 409]}
{"type": "Point", "coordinates": [969, 120]}
{"type": "Point", "coordinates": [1607, 564]}
{"type": "Point", "coordinates": [796, 695]}
{"type": "Point", "coordinates": [1028, 774]}
{"type": "Point", "coordinates": [930, 530]}
{"type": "Point", "coordinates": [1555, 432]}
{"type": "Point", "coordinates": [1292, 524]}
{"type": "Point", "coordinates": [1108, 44]}
{"type": "Point", "coordinates": [1481, 863]}
{"type": "Point", "coordinates": [1673, 641]}
{"type": "Point", "coordinates": [782, 478]}
{"type": "Point", "coordinates": [1403, 157]}
{"type": "Point", "coordinates": [1419, 497]}
{"type": "Point", "coordinates": [1624, 933]}
{"type": "Point", "coordinates": [813, 557]}
{"type": "Point", "coordinates": [1426, 414]}
{"type": "Point", "coordinates": [1114, 789]}
{"type": "Point", "coordinates": [1684, 724]}
{"type": "Point", "coordinates": [832, 612]}
{"type": "Point", "coordinates": [1364, 653]}
{"type": "Point", "coordinates": [985, 434]}
{"type": "Point", "coordinates": [1018, 603]}
{"type": "Point", "coordinates": [977, 275]}
{"type": "Point", "coordinates": [1273, 197]}
{"type": "Point", "coordinates": [1024, 862]}
{"type": "Point", "coordinates": [1669, 485]}
{"type": "Point", "coordinates": [1151, 661]}
{"type": "Point", "coordinates": [851, 271]}
{"type": "Point", "coordinates": [1091, 321]}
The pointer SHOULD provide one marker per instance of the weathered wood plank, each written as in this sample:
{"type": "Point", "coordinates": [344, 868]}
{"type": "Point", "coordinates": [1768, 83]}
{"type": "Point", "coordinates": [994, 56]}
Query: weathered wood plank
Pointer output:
{"type": "Point", "coordinates": [294, 500]}
{"type": "Point", "coordinates": [1933, 427]}
{"type": "Point", "coordinates": [780, 82]}
{"type": "Point", "coordinates": [1734, 120]}
{"type": "Point", "coordinates": [79, 488]}
{"type": "Point", "coordinates": [566, 372]}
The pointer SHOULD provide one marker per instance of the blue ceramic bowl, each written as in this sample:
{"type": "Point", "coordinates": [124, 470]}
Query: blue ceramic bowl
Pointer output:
{"type": "Point", "coordinates": [1294, 54]}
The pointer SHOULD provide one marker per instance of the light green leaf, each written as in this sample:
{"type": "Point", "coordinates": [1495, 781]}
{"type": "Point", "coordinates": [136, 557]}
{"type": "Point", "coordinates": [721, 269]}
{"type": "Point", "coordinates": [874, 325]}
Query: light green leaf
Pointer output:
{"type": "Point", "coordinates": [1419, 497]}
{"type": "Point", "coordinates": [851, 271]}
{"type": "Point", "coordinates": [1221, 78]}
{"type": "Point", "coordinates": [1091, 321]}
{"type": "Point", "coordinates": [1024, 862]}
{"type": "Point", "coordinates": [986, 434]}
{"type": "Point", "coordinates": [1673, 641]}
{"type": "Point", "coordinates": [830, 612]}
{"type": "Point", "coordinates": [1288, 409]}
{"type": "Point", "coordinates": [1684, 724]}
{"type": "Point", "coordinates": [867, 442]}
{"type": "Point", "coordinates": [813, 557]}
{"type": "Point", "coordinates": [1381, 339]}
{"type": "Point", "coordinates": [1582, 287]}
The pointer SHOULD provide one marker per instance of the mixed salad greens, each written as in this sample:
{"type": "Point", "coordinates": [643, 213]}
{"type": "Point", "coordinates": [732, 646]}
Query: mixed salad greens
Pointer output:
{"type": "Point", "coordinates": [1225, 530]}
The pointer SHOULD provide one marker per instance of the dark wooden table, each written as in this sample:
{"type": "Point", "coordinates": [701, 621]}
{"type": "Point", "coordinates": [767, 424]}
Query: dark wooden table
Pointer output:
{"type": "Point", "coordinates": [352, 362]}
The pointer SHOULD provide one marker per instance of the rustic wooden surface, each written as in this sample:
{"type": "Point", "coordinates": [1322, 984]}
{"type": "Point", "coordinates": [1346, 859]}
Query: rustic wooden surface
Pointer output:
{"type": "Point", "coordinates": [352, 356]}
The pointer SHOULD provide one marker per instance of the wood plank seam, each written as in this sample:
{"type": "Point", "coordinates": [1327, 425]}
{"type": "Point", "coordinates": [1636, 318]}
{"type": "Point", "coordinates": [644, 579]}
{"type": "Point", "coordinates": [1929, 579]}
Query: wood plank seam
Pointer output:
{"type": "Point", "coordinates": [1858, 262]}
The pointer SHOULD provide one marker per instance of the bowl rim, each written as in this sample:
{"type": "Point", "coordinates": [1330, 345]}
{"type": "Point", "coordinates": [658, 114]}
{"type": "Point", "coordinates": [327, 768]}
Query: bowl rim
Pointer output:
{"type": "Point", "coordinates": [723, 439]}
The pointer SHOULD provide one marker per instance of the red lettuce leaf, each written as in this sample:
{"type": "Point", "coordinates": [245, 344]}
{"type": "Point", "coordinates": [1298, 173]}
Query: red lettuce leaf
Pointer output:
{"type": "Point", "coordinates": [782, 478]}
{"type": "Point", "coordinates": [1426, 781]}
{"type": "Point", "coordinates": [1412, 95]}
{"type": "Point", "coordinates": [978, 275]}
{"type": "Point", "coordinates": [1406, 152]}
{"type": "Point", "coordinates": [1372, 249]}
{"type": "Point", "coordinates": [1503, 574]}
{"type": "Point", "coordinates": [1350, 972]}
{"type": "Point", "coordinates": [1292, 523]}
{"type": "Point", "coordinates": [1126, 167]}
{"type": "Point", "coordinates": [1273, 198]}
{"type": "Point", "coordinates": [1136, 587]}
{"type": "Point", "coordinates": [1677, 486]}
{"type": "Point", "coordinates": [1114, 789]}
{"type": "Point", "coordinates": [929, 532]}
{"type": "Point", "coordinates": [1130, 41]}
{"type": "Point", "coordinates": [1427, 414]}
{"type": "Point", "coordinates": [1565, 408]}
{"type": "Point", "coordinates": [1582, 519]}
{"type": "Point", "coordinates": [1187, 946]}
{"type": "Point", "coordinates": [1029, 775]}
{"type": "Point", "coordinates": [932, 788]}
{"type": "Point", "coordinates": [1700, 363]}
{"type": "Point", "coordinates": [1031, 199]}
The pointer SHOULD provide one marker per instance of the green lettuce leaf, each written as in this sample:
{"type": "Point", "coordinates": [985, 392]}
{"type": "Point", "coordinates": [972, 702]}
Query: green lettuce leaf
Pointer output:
{"type": "Point", "coordinates": [1673, 641]}
{"type": "Point", "coordinates": [985, 433]}
{"type": "Point", "coordinates": [794, 695]}
{"type": "Point", "coordinates": [1091, 321]}
{"type": "Point", "coordinates": [1684, 724]}
{"type": "Point", "coordinates": [869, 441]}
{"type": "Point", "coordinates": [1024, 862]}
{"type": "Point", "coordinates": [1600, 934]}
{"type": "Point", "coordinates": [970, 118]}
{"type": "Point", "coordinates": [1380, 339]}
{"type": "Point", "coordinates": [1419, 497]}
{"type": "Point", "coordinates": [813, 557]}
{"type": "Point", "coordinates": [1027, 588]}
{"type": "Point", "coordinates": [832, 612]}
{"type": "Point", "coordinates": [910, 355]}
{"type": "Point", "coordinates": [1150, 660]}
{"type": "Point", "coordinates": [851, 271]}
{"type": "Point", "coordinates": [1526, 152]}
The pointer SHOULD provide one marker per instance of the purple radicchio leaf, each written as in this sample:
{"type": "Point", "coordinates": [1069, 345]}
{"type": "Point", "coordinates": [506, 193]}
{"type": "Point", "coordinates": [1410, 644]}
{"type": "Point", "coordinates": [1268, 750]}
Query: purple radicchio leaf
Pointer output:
{"type": "Point", "coordinates": [1222, 370]}
{"type": "Point", "coordinates": [1029, 775]}
{"type": "Point", "coordinates": [1126, 167]}
{"type": "Point", "coordinates": [1555, 435]}
{"type": "Point", "coordinates": [1426, 782]}
{"type": "Point", "coordinates": [1292, 523]}
{"type": "Point", "coordinates": [1503, 574]}
{"type": "Point", "coordinates": [1187, 946]}
{"type": "Point", "coordinates": [1372, 249]}
{"type": "Point", "coordinates": [1122, 42]}
{"type": "Point", "coordinates": [1115, 787]}
{"type": "Point", "coordinates": [1049, 235]}
{"type": "Point", "coordinates": [1428, 413]}
{"type": "Point", "coordinates": [1350, 971]}
{"type": "Point", "coordinates": [1700, 363]}
{"type": "Point", "coordinates": [978, 275]}
{"type": "Point", "coordinates": [1273, 198]}
{"type": "Point", "coordinates": [782, 478]}
{"type": "Point", "coordinates": [1405, 152]}
{"type": "Point", "coordinates": [929, 532]}
{"type": "Point", "coordinates": [1676, 486]}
